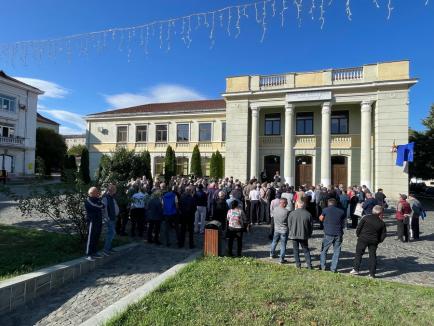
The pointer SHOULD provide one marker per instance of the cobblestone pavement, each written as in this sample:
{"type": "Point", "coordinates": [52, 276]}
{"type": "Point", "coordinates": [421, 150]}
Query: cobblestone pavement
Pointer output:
{"type": "Point", "coordinates": [81, 299]}
{"type": "Point", "coordinates": [11, 215]}
{"type": "Point", "coordinates": [411, 262]}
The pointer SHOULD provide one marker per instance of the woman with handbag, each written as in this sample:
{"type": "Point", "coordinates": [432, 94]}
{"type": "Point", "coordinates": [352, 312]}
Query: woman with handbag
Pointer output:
{"type": "Point", "coordinates": [236, 226]}
{"type": "Point", "coordinates": [403, 211]}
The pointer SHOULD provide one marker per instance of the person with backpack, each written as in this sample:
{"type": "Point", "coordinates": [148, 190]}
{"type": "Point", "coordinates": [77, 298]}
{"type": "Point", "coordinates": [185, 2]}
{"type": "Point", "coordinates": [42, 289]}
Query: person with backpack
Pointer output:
{"type": "Point", "coordinates": [236, 225]}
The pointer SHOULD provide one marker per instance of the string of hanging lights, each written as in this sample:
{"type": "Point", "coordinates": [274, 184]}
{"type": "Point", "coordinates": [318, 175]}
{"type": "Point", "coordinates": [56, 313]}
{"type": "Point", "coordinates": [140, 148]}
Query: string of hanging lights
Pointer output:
{"type": "Point", "coordinates": [164, 32]}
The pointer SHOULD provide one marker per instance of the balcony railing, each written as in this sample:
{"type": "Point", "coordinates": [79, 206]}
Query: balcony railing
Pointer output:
{"type": "Point", "coordinates": [272, 80]}
{"type": "Point", "coordinates": [270, 140]}
{"type": "Point", "coordinates": [347, 74]}
{"type": "Point", "coordinates": [12, 141]}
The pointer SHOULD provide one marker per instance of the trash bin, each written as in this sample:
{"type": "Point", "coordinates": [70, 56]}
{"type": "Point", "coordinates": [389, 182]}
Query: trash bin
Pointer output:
{"type": "Point", "coordinates": [212, 241]}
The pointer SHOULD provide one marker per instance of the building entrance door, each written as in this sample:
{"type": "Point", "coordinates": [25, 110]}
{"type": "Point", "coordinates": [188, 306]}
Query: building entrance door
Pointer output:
{"type": "Point", "coordinates": [339, 170]}
{"type": "Point", "coordinates": [303, 171]}
{"type": "Point", "coordinates": [271, 165]}
{"type": "Point", "coordinates": [6, 163]}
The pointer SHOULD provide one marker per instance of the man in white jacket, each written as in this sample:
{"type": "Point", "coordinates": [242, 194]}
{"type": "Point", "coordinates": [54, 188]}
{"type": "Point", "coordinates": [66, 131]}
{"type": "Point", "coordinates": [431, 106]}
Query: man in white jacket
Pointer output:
{"type": "Point", "coordinates": [110, 213]}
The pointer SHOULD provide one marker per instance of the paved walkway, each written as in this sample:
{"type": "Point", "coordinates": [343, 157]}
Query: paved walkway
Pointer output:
{"type": "Point", "coordinates": [87, 296]}
{"type": "Point", "coordinates": [403, 262]}
{"type": "Point", "coordinates": [411, 262]}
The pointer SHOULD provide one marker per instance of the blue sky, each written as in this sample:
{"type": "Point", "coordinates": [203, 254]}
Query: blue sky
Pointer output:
{"type": "Point", "coordinates": [99, 81]}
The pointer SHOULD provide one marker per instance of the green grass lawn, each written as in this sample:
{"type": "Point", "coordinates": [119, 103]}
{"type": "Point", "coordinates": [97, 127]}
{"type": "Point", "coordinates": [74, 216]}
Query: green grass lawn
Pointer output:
{"type": "Point", "coordinates": [24, 250]}
{"type": "Point", "coordinates": [224, 291]}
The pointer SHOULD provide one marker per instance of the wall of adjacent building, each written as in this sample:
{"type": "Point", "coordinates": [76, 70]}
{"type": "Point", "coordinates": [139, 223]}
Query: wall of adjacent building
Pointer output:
{"type": "Point", "coordinates": [101, 136]}
{"type": "Point", "coordinates": [24, 121]}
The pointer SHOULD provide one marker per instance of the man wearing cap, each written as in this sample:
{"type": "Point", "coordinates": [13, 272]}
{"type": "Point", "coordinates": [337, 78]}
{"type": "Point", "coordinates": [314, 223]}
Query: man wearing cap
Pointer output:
{"type": "Point", "coordinates": [403, 211]}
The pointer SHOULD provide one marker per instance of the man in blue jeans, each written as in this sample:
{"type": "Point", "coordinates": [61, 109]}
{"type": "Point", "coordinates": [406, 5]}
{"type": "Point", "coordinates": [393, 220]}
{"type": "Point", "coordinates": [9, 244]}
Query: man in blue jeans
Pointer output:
{"type": "Point", "coordinates": [110, 213]}
{"type": "Point", "coordinates": [334, 223]}
{"type": "Point", "coordinates": [280, 221]}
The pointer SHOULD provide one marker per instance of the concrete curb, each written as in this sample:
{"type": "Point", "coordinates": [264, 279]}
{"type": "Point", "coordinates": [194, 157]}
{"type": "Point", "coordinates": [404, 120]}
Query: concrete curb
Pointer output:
{"type": "Point", "coordinates": [135, 296]}
{"type": "Point", "coordinates": [25, 288]}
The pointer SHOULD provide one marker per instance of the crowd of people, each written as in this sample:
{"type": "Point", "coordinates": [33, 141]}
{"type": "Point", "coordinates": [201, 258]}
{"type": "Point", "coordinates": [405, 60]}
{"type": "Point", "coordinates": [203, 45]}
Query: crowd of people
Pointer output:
{"type": "Point", "coordinates": [184, 205]}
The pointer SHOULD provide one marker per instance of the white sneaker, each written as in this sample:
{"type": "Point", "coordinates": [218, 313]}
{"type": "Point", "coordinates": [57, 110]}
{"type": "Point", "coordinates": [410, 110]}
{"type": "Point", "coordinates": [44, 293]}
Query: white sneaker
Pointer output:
{"type": "Point", "coordinates": [89, 258]}
{"type": "Point", "coordinates": [354, 272]}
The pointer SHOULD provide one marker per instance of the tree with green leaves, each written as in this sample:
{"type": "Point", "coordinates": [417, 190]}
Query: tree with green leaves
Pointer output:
{"type": "Point", "coordinates": [147, 164]}
{"type": "Point", "coordinates": [76, 150]}
{"type": "Point", "coordinates": [213, 169]}
{"type": "Point", "coordinates": [169, 163]}
{"type": "Point", "coordinates": [429, 121]}
{"type": "Point", "coordinates": [219, 161]}
{"type": "Point", "coordinates": [69, 171]}
{"type": "Point", "coordinates": [83, 172]}
{"type": "Point", "coordinates": [196, 164]}
{"type": "Point", "coordinates": [51, 147]}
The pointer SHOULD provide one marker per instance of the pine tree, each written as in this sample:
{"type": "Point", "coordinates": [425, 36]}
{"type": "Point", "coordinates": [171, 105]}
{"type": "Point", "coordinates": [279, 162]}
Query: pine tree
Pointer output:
{"type": "Point", "coordinates": [219, 163]}
{"type": "Point", "coordinates": [169, 163]}
{"type": "Point", "coordinates": [196, 165]}
{"type": "Point", "coordinates": [214, 168]}
{"type": "Point", "coordinates": [83, 173]}
{"type": "Point", "coordinates": [147, 164]}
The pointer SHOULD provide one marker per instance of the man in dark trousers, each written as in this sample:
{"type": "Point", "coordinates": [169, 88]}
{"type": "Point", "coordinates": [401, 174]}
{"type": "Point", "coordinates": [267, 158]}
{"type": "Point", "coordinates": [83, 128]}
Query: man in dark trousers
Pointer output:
{"type": "Point", "coordinates": [300, 225]}
{"type": "Point", "coordinates": [187, 207]}
{"type": "Point", "coordinates": [370, 232]}
{"type": "Point", "coordinates": [94, 209]}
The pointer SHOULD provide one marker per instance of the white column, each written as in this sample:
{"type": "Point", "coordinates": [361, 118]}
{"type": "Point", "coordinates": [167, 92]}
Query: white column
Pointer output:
{"type": "Point", "coordinates": [365, 144]}
{"type": "Point", "coordinates": [152, 165]}
{"type": "Point", "coordinates": [325, 145]}
{"type": "Point", "coordinates": [288, 159]}
{"type": "Point", "coordinates": [254, 143]}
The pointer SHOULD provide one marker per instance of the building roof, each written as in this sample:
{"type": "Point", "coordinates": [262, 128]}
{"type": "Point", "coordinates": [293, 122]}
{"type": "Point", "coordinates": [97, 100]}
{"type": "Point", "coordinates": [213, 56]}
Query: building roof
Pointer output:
{"type": "Point", "coordinates": [74, 136]}
{"type": "Point", "coordinates": [186, 106]}
{"type": "Point", "coordinates": [5, 76]}
{"type": "Point", "coordinates": [40, 118]}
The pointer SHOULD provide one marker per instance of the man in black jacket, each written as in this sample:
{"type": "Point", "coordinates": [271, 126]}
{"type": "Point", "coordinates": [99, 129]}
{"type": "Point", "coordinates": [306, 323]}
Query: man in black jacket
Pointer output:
{"type": "Point", "coordinates": [370, 232]}
{"type": "Point", "coordinates": [187, 207]}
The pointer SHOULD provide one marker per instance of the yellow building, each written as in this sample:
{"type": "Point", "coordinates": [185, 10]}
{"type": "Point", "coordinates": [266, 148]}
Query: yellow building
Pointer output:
{"type": "Point", "coordinates": [331, 126]}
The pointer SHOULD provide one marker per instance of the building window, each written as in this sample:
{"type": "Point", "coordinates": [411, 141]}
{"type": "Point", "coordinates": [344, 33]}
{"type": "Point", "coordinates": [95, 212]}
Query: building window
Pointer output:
{"type": "Point", "coordinates": [122, 134]}
{"type": "Point", "coordinates": [182, 132]}
{"type": "Point", "coordinates": [205, 131]}
{"type": "Point", "coordinates": [304, 123]}
{"type": "Point", "coordinates": [223, 131]}
{"type": "Point", "coordinates": [141, 133]}
{"type": "Point", "coordinates": [272, 124]}
{"type": "Point", "coordinates": [182, 166]}
{"type": "Point", "coordinates": [7, 131]}
{"type": "Point", "coordinates": [161, 133]}
{"type": "Point", "coordinates": [339, 121]}
{"type": "Point", "coordinates": [159, 165]}
{"type": "Point", "coordinates": [7, 103]}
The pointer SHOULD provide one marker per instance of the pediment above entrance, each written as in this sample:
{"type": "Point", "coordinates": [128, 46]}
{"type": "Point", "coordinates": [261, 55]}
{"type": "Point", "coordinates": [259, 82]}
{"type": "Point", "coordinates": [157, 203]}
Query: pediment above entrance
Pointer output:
{"type": "Point", "coordinates": [309, 96]}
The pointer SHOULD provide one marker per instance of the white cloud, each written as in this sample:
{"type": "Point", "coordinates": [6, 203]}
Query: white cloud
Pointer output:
{"type": "Point", "coordinates": [52, 90]}
{"type": "Point", "coordinates": [67, 117]}
{"type": "Point", "coordinates": [157, 94]}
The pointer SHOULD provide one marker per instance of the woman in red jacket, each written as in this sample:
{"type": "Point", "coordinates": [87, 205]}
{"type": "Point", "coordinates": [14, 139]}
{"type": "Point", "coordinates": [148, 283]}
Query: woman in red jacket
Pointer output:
{"type": "Point", "coordinates": [403, 211]}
